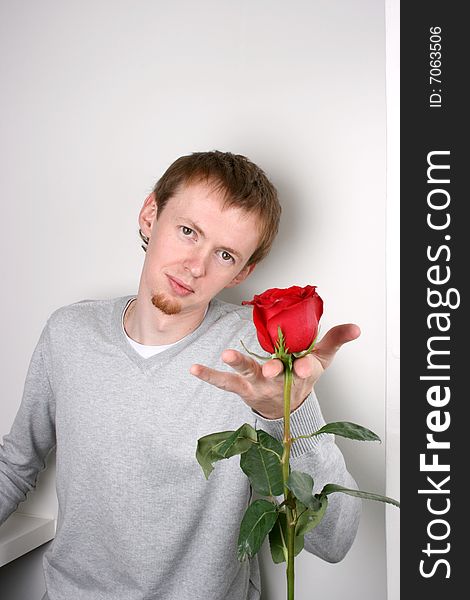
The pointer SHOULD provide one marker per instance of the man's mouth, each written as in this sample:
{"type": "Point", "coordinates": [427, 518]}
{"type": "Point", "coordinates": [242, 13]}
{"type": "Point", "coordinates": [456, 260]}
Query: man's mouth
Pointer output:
{"type": "Point", "coordinates": [180, 287]}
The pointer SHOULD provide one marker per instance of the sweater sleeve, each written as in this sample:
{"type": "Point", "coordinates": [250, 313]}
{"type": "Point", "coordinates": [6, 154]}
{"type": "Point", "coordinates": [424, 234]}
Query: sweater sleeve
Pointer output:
{"type": "Point", "coordinates": [24, 450]}
{"type": "Point", "coordinates": [322, 459]}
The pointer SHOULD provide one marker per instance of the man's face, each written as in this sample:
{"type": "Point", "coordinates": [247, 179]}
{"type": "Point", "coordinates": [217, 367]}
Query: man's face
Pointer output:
{"type": "Point", "coordinates": [196, 248]}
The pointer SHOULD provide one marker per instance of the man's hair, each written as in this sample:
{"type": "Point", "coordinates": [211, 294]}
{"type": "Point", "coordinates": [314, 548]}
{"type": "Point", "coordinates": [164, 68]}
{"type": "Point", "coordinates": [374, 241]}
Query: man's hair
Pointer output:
{"type": "Point", "coordinates": [243, 184]}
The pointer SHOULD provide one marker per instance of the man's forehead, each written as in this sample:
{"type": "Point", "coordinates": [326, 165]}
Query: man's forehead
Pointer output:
{"type": "Point", "coordinates": [191, 197]}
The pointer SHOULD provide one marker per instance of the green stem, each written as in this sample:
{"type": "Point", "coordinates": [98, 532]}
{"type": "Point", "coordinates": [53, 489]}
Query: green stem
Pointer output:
{"type": "Point", "coordinates": [304, 437]}
{"type": "Point", "coordinates": [290, 554]}
{"type": "Point", "coordinates": [287, 442]}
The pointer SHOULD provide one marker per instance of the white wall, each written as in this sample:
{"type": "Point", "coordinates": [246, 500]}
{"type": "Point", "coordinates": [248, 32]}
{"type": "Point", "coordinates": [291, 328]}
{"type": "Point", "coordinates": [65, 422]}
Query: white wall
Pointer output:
{"type": "Point", "coordinates": [99, 97]}
{"type": "Point", "coordinates": [392, 462]}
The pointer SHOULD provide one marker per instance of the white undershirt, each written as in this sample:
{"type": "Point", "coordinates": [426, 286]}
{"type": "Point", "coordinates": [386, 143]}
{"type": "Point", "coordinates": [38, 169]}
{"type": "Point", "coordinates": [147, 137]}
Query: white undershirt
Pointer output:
{"type": "Point", "coordinates": [148, 351]}
{"type": "Point", "coordinates": [143, 349]}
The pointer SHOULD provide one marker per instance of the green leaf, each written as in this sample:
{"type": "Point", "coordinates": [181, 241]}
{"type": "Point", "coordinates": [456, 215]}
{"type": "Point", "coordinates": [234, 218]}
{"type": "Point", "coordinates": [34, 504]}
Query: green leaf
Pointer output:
{"type": "Point", "coordinates": [262, 465]}
{"type": "Point", "coordinates": [280, 344]}
{"type": "Point", "coordinates": [238, 442]}
{"type": "Point", "coordinates": [223, 444]}
{"type": "Point", "coordinates": [281, 352]}
{"type": "Point", "coordinates": [301, 485]}
{"type": "Point", "coordinates": [205, 455]}
{"type": "Point", "coordinates": [257, 522]}
{"type": "Point", "coordinates": [332, 487]}
{"type": "Point", "coordinates": [278, 540]}
{"type": "Point", "coordinates": [309, 518]}
{"type": "Point", "coordinates": [349, 430]}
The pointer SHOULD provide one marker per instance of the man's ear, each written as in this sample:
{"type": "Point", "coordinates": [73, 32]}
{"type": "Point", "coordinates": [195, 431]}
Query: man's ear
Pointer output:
{"type": "Point", "coordinates": [241, 276]}
{"type": "Point", "coordinates": [148, 214]}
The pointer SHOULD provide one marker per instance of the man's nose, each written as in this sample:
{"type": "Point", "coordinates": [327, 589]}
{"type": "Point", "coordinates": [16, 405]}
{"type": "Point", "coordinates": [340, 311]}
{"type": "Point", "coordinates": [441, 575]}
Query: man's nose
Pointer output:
{"type": "Point", "coordinates": [196, 263]}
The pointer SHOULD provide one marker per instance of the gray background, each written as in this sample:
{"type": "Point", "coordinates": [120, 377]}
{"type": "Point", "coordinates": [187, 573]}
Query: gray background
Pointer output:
{"type": "Point", "coordinates": [100, 97]}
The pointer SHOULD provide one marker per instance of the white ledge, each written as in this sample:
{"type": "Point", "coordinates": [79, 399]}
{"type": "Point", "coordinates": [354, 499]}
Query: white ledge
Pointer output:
{"type": "Point", "coordinates": [22, 533]}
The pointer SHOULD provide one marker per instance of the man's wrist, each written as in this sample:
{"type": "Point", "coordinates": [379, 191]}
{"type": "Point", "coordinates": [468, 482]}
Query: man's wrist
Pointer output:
{"type": "Point", "coordinates": [275, 417]}
{"type": "Point", "coordinates": [305, 420]}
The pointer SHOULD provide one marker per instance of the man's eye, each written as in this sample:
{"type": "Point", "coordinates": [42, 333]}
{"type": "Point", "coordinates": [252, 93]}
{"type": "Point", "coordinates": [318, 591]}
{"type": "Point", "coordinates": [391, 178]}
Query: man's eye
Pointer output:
{"type": "Point", "coordinates": [226, 256]}
{"type": "Point", "coordinates": [186, 230]}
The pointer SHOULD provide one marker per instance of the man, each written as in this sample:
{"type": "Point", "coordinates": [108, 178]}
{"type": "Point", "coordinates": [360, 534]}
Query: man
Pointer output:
{"type": "Point", "coordinates": [120, 387]}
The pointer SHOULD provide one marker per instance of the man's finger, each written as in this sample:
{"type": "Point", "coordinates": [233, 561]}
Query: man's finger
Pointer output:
{"type": "Point", "coordinates": [242, 364]}
{"type": "Point", "coordinates": [306, 366]}
{"type": "Point", "coordinates": [229, 382]}
{"type": "Point", "coordinates": [332, 341]}
{"type": "Point", "coordinates": [272, 368]}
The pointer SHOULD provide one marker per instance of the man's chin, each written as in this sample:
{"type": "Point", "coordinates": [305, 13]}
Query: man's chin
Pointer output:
{"type": "Point", "coordinates": [166, 305]}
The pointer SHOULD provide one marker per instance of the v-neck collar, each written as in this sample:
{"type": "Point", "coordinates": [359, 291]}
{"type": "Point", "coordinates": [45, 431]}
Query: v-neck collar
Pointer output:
{"type": "Point", "coordinates": [152, 362]}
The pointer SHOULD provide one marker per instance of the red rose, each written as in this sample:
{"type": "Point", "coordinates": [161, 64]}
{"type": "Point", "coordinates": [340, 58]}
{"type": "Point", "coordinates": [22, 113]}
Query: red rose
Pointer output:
{"type": "Point", "coordinates": [295, 310]}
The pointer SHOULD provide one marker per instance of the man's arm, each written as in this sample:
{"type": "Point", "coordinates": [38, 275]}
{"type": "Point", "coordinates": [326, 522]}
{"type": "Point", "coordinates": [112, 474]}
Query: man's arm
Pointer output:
{"type": "Point", "coordinates": [32, 436]}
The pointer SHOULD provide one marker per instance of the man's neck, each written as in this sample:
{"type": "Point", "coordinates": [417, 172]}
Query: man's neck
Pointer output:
{"type": "Point", "coordinates": [146, 324]}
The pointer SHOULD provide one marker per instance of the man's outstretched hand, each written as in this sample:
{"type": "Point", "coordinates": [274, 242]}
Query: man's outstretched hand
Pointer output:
{"type": "Point", "coordinates": [262, 386]}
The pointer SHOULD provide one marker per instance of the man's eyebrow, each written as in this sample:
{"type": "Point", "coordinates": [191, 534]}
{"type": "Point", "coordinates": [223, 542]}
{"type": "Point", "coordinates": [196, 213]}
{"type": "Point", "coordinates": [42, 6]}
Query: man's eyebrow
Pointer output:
{"type": "Point", "coordinates": [196, 228]}
{"type": "Point", "coordinates": [232, 251]}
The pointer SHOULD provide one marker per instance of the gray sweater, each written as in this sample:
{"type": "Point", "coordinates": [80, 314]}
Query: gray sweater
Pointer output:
{"type": "Point", "coordinates": [137, 519]}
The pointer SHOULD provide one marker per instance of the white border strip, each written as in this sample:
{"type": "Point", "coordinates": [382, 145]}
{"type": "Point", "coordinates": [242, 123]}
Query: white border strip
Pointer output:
{"type": "Point", "coordinates": [392, 35]}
